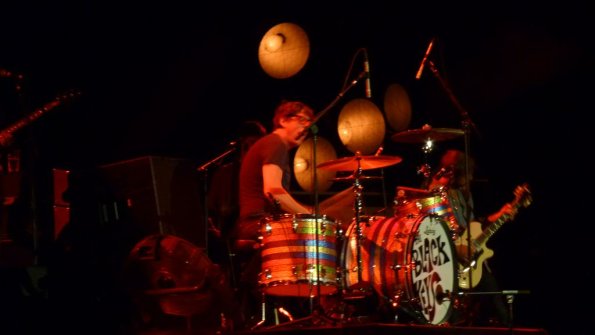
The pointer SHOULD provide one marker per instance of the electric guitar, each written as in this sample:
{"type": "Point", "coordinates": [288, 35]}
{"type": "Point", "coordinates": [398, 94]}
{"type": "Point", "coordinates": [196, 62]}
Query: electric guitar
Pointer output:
{"type": "Point", "coordinates": [479, 251]}
{"type": "Point", "coordinates": [7, 133]}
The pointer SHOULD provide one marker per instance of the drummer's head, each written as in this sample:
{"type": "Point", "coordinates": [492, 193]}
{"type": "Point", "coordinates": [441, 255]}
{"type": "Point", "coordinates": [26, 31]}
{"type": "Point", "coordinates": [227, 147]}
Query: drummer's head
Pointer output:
{"type": "Point", "coordinates": [454, 159]}
{"type": "Point", "coordinates": [288, 109]}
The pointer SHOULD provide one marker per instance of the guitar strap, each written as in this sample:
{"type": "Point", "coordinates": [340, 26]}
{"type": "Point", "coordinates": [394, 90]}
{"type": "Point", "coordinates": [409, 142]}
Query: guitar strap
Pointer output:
{"type": "Point", "coordinates": [462, 209]}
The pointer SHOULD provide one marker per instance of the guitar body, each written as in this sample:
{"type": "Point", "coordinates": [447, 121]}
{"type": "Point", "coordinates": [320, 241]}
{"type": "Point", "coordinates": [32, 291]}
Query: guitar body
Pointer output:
{"type": "Point", "coordinates": [479, 237]}
{"type": "Point", "coordinates": [479, 251]}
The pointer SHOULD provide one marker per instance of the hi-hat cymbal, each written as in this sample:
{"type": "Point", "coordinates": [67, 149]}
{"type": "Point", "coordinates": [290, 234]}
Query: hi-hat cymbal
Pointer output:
{"type": "Point", "coordinates": [427, 134]}
{"type": "Point", "coordinates": [365, 162]}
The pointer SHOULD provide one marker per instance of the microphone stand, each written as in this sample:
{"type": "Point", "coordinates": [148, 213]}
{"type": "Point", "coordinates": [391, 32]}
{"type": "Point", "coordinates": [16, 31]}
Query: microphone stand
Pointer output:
{"type": "Point", "coordinates": [316, 208]}
{"type": "Point", "coordinates": [510, 294]}
{"type": "Point", "coordinates": [314, 129]}
{"type": "Point", "coordinates": [467, 125]}
{"type": "Point", "coordinates": [204, 169]}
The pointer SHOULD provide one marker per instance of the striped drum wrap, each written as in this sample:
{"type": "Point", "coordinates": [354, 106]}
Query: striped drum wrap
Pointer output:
{"type": "Point", "coordinates": [419, 202]}
{"type": "Point", "coordinates": [438, 205]}
{"type": "Point", "coordinates": [408, 259]}
{"type": "Point", "coordinates": [290, 257]}
{"type": "Point", "coordinates": [383, 252]}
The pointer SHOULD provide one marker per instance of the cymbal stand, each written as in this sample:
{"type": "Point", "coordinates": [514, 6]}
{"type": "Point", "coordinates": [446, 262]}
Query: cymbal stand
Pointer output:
{"type": "Point", "coordinates": [426, 169]}
{"type": "Point", "coordinates": [358, 206]}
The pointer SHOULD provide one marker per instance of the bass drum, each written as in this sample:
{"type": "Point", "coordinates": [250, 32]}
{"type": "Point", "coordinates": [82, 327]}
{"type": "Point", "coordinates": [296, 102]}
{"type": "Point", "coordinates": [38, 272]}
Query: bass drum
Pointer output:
{"type": "Point", "coordinates": [408, 260]}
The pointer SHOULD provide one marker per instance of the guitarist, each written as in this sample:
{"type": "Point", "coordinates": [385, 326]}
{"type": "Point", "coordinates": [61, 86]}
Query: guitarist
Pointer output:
{"type": "Point", "coordinates": [482, 310]}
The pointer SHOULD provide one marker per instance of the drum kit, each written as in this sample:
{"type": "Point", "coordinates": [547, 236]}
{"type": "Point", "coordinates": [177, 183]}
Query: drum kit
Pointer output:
{"type": "Point", "coordinates": [407, 260]}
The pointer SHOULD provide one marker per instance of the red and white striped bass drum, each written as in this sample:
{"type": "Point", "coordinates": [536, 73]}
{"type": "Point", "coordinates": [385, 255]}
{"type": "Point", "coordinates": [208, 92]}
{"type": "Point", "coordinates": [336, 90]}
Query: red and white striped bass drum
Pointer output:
{"type": "Point", "coordinates": [407, 260]}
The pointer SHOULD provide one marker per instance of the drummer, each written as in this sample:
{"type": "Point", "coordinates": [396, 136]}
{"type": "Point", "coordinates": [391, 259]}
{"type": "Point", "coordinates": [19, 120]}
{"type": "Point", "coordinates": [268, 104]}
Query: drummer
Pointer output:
{"type": "Point", "coordinates": [265, 174]}
{"type": "Point", "coordinates": [265, 177]}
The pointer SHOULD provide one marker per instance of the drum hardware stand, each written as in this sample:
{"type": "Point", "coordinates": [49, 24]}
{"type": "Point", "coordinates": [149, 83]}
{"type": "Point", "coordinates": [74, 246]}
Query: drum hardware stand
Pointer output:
{"type": "Point", "coordinates": [357, 187]}
{"type": "Point", "coordinates": [425, 169]}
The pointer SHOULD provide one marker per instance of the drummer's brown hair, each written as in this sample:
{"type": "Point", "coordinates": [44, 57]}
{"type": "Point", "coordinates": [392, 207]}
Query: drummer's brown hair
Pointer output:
{"type": "Point", "coordinates": [290, 108]}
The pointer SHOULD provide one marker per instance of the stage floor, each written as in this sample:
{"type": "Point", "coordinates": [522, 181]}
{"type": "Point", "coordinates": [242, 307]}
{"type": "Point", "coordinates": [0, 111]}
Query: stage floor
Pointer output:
{"type": "Point", "coordinates": [351, 329]}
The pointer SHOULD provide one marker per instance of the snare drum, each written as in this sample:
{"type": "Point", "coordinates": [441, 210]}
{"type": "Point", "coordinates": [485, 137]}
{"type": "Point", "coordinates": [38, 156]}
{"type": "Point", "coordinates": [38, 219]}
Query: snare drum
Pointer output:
{"type": "Point", "coordinates": [298, 254]}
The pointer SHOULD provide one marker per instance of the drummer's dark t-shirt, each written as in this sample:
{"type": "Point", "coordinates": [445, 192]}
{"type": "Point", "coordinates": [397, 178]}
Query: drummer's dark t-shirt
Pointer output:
{"type": "Point", "coordinates": [254, 204]}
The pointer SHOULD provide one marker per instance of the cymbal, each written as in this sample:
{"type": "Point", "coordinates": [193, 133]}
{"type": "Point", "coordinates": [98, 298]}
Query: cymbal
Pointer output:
{"type": "Point", "coordinates": [365, 162]}
{"type": "Point", "coordinates": [427, 133]}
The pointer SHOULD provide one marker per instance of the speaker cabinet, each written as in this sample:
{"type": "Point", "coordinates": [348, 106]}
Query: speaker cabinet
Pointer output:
{"type": "Point", "coordinates": [157, 194]}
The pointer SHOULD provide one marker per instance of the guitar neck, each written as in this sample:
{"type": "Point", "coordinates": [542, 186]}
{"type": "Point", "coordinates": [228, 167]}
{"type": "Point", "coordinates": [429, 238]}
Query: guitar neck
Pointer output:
{"type": "Point", "coordinates": [493, 227]}
{"type": "Point", "coordinates": [489, 231]}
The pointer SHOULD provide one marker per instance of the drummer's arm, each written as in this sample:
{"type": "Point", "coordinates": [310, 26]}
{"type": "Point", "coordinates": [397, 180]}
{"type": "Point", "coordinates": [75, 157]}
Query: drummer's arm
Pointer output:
{"type": "Point", "coordinates": [271, 177]}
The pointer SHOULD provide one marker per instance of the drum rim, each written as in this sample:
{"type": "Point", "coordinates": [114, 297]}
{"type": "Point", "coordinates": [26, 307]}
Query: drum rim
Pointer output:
{"type": "Point", "coordinates": [304, 216]}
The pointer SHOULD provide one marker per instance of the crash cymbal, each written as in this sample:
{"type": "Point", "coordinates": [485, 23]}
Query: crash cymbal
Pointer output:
{"type": "Point", "coordinates": [427, 133]}
{"type": "Point", "coordinates": [303, 165]}
{"type": "Point", "coordinates": [365, 162]}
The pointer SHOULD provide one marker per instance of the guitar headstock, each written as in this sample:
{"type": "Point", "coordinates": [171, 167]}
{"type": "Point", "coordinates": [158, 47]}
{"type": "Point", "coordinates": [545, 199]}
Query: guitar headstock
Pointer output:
{"type": "Point", "coordinates": [523, 195]}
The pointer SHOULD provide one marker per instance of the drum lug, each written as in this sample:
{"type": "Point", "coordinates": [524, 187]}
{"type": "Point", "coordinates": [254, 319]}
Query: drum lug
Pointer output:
{"type": "Point", "coordinates": [396, 299]}
{"type": "Point", "coordinates": [268, 229]}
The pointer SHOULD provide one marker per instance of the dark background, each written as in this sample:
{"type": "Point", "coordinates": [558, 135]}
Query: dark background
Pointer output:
{"type": "Point", "coordinates": [176, 80]}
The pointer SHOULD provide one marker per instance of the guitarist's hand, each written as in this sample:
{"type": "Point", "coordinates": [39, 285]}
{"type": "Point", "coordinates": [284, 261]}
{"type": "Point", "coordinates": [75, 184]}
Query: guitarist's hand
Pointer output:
{"type": "Point", "coordinates": [506, 212]}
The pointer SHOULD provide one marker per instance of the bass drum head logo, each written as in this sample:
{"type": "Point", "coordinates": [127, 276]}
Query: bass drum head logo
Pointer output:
{"type": "Point", "coordinates": [433, 276]}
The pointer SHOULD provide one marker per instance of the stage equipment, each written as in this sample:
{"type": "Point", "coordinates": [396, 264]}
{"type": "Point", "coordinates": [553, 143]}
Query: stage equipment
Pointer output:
{"type": "Point", "coordinates": [303, 167]}
{"type": "Point", "coordinates": [397, 107]}
{"type": "Point", "coordinates": [284, 50]}
{"type": "Point", "coordinates": [361, 126]}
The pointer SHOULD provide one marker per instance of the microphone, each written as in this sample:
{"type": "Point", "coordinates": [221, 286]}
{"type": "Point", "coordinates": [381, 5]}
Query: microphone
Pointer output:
{"type": "Point", "coordinates": [379, 151]}
{"type": "Point", "coordinates": [367, 71]}
{"type": "Point", "coordinates": [423, 61]}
